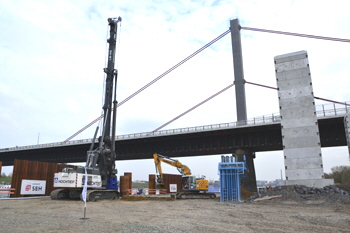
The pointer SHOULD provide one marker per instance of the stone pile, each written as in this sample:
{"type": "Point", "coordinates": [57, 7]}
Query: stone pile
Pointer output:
{"type": "Point", "coordinates": [339, 194]}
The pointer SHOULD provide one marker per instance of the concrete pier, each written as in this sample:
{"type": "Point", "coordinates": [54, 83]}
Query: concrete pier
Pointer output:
{"type": "Point", "coordinates": [300, 132]}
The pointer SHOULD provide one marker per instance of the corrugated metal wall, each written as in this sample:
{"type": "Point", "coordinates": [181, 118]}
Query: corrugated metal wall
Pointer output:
{"type": "Point", "coordinates": [33, 170]}
{"type": "Point", "coordinates": [125, 183]}
{"type": "Point", "coordinates": [129, 176]}
{"type": "Point", "coordinates": [151, 183]}
{"type": "Point", "coordinates": [172, 179]}
{"type": "Point", "coordinates": [167, 179]}
{"type": "Point", "coordinates": [0, 167]}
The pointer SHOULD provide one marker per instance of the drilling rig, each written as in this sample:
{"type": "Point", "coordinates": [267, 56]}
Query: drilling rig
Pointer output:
{"type": "Point", "coordinates": [100, 168]}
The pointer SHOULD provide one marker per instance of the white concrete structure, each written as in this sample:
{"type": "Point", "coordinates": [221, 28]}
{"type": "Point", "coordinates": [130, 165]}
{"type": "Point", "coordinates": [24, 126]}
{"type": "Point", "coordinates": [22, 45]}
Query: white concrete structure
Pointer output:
{"type": "Point", "coordinates": [347, 128]}
{"type": "Point", "coordinates": [300, 133]}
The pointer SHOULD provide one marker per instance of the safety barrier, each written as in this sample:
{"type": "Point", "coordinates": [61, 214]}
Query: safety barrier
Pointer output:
{"type": "Point", "coordinates": [7, 191]}
{"type": "Point", "coordinates": [147, 191]}
{"type": "Point", "coordinates": [133, 191]}
{"type": "Point", "coordinates": [154, 191]}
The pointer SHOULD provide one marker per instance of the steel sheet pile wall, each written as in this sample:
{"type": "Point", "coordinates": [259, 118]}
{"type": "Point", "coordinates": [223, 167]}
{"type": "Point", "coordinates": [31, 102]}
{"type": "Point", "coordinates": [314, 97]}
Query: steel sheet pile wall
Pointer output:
{"type": "Point", "coordinates": [123, 185]}
{"type": "Point", "coordinates": [230, 172]}
{"type": "Point", "coordinates": [33, 170]}
{"type": "Point", "coordinates": [129, 176]}
{"type": "Point", "coordinates": [151, 183]}
{"type": "Point", "coordinates": [172, 179]}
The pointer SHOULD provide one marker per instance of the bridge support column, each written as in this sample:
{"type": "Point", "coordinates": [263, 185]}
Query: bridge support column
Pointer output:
{"type": "Point", "coordinates": [248, 180]}
{"type": "Point", "coordinates": [299, 125]}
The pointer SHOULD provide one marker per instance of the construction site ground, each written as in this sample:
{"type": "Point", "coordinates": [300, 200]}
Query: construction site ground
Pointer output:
{"type": "Point", "coordinates": [142, 214]}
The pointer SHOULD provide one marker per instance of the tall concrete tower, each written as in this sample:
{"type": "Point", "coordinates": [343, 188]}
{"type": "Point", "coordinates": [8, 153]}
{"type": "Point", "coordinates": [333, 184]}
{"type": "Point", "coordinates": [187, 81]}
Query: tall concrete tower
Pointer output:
{"type": "Point", "coordinates": [300, 133]}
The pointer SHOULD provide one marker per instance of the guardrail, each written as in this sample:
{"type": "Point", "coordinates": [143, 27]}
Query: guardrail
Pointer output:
{"type": "Point", "coordinates": [322, 111]}
{"type": "Point", "coordinates": [7, 191]}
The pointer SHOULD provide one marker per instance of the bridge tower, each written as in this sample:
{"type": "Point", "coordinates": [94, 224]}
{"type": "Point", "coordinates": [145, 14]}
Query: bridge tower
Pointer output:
{"type": "Point", "coordinates": [249, 181]}
{"type": "Point", "coordinates": [299, 125]}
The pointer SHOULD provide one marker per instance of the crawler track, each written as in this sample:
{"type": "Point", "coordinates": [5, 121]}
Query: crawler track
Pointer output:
{"type": "Point", "coordinates": [91, 195]}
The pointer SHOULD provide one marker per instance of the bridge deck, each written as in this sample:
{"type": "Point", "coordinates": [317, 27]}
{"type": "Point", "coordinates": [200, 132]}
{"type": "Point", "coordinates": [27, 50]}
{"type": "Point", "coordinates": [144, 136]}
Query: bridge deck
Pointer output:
{"type": "Point", "coordinates": [257, 134]}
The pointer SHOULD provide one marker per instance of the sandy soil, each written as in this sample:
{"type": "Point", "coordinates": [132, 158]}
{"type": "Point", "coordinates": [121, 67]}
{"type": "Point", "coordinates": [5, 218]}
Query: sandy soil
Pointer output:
{"type": "Point", "coordinates": [210, 215]}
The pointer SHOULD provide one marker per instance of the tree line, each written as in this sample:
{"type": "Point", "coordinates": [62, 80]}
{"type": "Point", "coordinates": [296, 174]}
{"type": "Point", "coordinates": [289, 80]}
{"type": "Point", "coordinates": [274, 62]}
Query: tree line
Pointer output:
{"type": "Point", "coordinates": [340, 174]}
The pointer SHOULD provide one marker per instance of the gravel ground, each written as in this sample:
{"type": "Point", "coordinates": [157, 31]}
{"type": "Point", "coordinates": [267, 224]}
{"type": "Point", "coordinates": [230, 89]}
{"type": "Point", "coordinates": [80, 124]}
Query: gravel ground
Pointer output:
{"type": "Point", "coordinates": [209, 215]}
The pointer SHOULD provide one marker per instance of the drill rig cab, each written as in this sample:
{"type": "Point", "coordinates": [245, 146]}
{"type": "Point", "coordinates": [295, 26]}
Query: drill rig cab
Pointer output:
{"type": "Point", "coordinates": [192, 187]}
{"type": "Point", "coordinates": [100, 162]}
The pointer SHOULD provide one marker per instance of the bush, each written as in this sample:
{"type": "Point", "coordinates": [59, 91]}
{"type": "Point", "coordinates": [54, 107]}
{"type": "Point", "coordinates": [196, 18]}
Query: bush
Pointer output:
{"type": "Point", "coordinates": [340, 174]}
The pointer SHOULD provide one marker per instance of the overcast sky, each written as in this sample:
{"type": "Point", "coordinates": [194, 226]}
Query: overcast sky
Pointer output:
{"type": "Point", "coordinates": [52, 55]}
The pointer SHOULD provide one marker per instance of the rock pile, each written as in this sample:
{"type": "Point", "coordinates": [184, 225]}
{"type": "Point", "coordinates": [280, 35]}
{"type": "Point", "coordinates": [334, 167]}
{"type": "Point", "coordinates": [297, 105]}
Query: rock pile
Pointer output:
{"type": "Point", "coordinates": [334, 194]}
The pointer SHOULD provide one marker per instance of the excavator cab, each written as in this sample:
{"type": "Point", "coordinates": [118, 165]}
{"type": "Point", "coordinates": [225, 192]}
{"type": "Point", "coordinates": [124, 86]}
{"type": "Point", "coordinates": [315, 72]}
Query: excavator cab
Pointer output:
{"type": "Point", "coordinates": [191, 183]}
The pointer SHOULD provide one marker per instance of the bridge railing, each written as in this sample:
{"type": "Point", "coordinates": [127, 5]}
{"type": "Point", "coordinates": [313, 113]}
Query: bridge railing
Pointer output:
{"type": "Point", "coordinates": [322, 111]}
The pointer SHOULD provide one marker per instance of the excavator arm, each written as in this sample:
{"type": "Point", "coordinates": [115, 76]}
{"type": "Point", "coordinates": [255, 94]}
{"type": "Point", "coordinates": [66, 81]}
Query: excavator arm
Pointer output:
{"type": "Point", "coordinates": [158, 159]}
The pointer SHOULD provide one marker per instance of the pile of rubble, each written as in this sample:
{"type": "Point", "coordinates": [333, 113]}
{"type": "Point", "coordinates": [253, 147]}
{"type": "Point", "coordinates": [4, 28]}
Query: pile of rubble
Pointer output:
{"type": "Point", "coordinates": [331, 194]}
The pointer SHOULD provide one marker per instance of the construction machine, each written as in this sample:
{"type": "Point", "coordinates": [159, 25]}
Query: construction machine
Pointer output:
{"type": "Point", "coordinates": [100, 169]}
{"type": "Point", "coordinates": [192, 187]}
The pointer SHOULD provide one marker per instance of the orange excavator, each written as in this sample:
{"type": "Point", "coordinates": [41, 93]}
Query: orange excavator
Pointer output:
{"type": "Point", "coordinates": [192, 187]}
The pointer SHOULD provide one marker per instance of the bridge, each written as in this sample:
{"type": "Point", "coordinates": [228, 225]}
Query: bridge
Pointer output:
{"type": "Point", "coordinates": [255, 135]}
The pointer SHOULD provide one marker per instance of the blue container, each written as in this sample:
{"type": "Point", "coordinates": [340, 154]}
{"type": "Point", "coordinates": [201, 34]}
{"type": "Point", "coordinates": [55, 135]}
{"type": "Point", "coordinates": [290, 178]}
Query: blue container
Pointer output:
{"type": "Point", "coordinates": [230, 184]}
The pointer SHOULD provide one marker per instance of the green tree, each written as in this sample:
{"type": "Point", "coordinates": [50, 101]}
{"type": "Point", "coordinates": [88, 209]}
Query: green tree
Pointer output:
{"type": "Point", "coordinates": [340, 174]}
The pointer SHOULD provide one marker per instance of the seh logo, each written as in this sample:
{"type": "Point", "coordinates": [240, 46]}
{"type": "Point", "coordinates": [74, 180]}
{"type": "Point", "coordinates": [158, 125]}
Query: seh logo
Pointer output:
{"type": "Point", "coordinates": [28, 187]}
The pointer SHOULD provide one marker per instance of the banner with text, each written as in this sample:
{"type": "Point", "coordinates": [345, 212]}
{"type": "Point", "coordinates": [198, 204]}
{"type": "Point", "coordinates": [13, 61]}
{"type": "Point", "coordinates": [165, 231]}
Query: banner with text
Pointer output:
{"type": "Point", "coordinates": [33, 187]}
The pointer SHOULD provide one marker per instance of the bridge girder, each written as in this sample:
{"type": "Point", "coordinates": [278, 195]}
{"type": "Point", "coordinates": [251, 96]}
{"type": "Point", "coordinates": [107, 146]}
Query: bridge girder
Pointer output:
{"type": "Point", "coordinates": [257, 138]}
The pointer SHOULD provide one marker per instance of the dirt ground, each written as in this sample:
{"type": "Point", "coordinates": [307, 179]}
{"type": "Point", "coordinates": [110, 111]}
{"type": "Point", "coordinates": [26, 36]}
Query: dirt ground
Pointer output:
{"type": "Point", "coordinates": [209, 215]}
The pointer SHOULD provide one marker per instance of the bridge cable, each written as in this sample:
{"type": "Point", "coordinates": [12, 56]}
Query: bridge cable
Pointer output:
{"type": "Point", "coordinates": [297, 34]}
{"type": "Point", "coordinates": [194, 107]}
{"type": "Point", "coordinates": [319, 98]}
{"type": "Point", "coordinates": [153, 81]}
{"type": "Point", "coordinates": [174, 67]}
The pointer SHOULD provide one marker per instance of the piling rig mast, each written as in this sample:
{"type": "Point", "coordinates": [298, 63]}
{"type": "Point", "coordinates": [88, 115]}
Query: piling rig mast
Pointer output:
{"type": "Point", "coordinates": [100, 168]}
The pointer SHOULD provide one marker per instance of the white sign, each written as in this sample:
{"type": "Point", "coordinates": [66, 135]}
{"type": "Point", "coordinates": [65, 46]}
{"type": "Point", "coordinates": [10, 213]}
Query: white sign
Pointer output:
{"type": "Point", "coordinates": [173, 188]}
{"type": "Point", "coordinates": [33, 187]}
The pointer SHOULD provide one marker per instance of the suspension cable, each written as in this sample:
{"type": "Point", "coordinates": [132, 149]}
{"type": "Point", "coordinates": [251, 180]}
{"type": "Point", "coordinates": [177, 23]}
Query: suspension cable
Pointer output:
{"type": "Point", "coordinates": [319, 98]}
{"type": "Point", "coordinates": [194, 107]}
{"type": "Point", "coordinates": [153, 81]}
{"type": "Point", "coordinates": [297, 34]}
{"type": "Point", "coordinates": [173, 68]}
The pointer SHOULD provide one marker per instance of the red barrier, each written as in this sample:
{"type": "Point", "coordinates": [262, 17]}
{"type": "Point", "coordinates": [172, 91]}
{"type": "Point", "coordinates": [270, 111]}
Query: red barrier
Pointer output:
{"type": "Point", "coordinates": [7, 191]}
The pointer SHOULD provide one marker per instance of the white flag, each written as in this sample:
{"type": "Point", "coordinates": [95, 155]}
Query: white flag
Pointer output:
{"type": "Point", "coordinates": [83, 194]}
